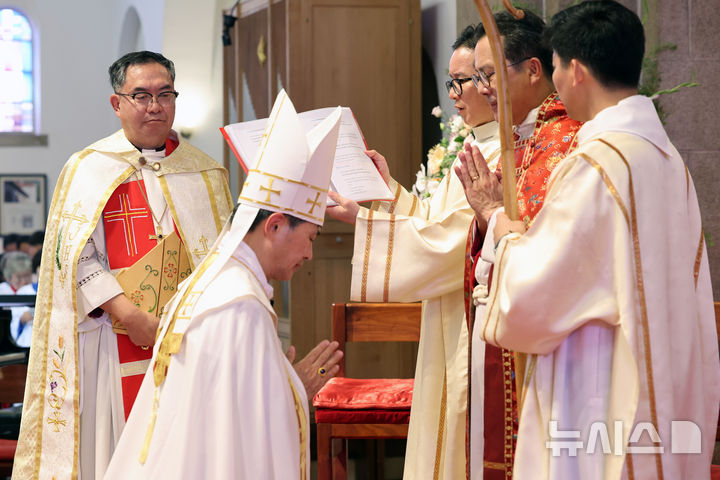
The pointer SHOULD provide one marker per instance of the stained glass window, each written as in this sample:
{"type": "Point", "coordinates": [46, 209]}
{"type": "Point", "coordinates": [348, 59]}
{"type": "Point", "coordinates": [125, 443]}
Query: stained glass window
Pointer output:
{"type": "Point", "coordinates": [16, 73]}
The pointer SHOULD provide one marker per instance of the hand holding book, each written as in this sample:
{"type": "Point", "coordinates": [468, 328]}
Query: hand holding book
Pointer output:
{"type": "Point", "coordinates": [354, 174]}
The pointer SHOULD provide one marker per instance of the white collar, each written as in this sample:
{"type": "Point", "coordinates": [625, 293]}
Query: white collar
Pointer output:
{"type": "Point", "coordinates": [527, 127]}
{"type": "Point", "coordinates": [486, 131]}
{"type": "Point", "coordinates": [635, 115]}
{"type": "Point", "coordinates": [247, 255]}
{"type": "Point", "coordinates": [152, 154]}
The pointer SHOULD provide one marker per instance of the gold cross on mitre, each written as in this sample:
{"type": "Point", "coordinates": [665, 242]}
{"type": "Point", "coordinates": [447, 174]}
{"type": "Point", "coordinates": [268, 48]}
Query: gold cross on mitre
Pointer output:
{"type": "Point", "coordinates": [300, 160]}
{"type": "Point", "coordinates": [313, 203]}
{"type": "Point", "coordinates": [269, 189]}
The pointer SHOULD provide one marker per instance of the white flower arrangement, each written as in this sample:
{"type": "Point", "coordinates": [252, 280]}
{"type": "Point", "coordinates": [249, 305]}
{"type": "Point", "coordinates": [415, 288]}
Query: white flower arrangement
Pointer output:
{"type": "Point", "coordinates": [441, 157]}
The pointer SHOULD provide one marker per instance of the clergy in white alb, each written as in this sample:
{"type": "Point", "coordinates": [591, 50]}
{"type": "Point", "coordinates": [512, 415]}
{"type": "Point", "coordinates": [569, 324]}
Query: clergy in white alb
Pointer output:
{"type": "Point", "coordinates": [413, 249]}
{"type": "Point", "coordinates": [221, 399]}
{"type": "Point", "coordinates": [409, 250]}
{"type": "Point", "coordinates": [608, 291]}
{"type": "Point", "coordinates": [141, 183]}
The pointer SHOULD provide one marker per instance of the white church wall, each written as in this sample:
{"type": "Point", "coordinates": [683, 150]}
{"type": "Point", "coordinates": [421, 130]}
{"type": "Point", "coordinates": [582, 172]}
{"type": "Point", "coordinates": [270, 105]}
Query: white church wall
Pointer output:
{"type": "Point", "coordinates": [74, 47]}
{"type": "Point", "coordinates": [192, 39]}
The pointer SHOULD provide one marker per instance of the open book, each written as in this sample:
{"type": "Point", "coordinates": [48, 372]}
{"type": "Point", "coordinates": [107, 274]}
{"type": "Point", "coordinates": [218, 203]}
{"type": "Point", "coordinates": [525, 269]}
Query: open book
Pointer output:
{"type": "Point", "coordinates": [354, 175]}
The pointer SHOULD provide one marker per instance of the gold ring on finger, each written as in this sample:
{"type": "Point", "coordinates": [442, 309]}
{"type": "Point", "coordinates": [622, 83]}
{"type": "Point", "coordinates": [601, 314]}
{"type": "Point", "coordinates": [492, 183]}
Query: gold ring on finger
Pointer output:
{"type": "Point", "coordinates": [322, 371]}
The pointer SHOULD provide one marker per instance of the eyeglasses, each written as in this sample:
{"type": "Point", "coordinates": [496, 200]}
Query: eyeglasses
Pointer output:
{"type": "Point", "coordinates": [456, 84]}
{"type": "Point", "coordinates": [145, 99]}
{"type": "Point", "coordinates": [484, 78]}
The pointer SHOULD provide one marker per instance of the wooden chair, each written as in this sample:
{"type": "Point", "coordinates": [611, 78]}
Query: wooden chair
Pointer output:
{"type": "Point", "coordinates": [383, 409]}
{"type": "Point", "coordinates": [13, 370]}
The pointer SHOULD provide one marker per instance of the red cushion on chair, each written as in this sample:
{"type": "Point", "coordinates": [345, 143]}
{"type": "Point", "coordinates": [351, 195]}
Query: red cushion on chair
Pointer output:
{"type": "Point", "coordinates": [331, 415]}
{"type": "Point", "coordinates": [714, 472]}
{"type": "Point", "coordinates": [7, 449]}
{"type": "Point", "coordinates": [342, 393]}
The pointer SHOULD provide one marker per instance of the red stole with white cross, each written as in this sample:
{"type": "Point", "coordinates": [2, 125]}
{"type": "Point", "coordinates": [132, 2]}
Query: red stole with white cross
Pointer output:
{"type": "Point", "coordinates": [129, 228]}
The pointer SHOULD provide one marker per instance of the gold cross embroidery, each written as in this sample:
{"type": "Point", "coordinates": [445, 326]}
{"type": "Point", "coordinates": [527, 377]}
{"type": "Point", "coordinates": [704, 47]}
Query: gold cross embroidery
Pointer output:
{"type": "Point", "coordinates": [313, 203]}
{"type": "Point", "coordinates": [56, 421]}
{"type": "Point", "coordinates": [74, 217]}
{"type": "Point", "coordinates": [203, 242]}
{"type": "Point", "coordinates": [269, 189]}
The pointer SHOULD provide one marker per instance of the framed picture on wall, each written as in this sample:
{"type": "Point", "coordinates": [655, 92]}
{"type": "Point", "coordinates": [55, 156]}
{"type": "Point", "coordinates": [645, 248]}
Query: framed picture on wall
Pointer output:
{"type": "Point", "coordinates": [23, 203]}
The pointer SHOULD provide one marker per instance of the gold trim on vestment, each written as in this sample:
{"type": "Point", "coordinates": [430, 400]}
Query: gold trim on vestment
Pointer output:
{"type": "Point", "coordinates": [492, 156]}
{"type": "Point", "coordinates": [414, 205]}
{"type": "Point", "coordinates": [289, 180]}
{"type": "Point", "coordinates": [441, 429]}
{"type": "Point", "coordinates": [388, 262]}
{"type": "Point", "coordinates": [494, 465]}
{"type": "Point", "coordinates": [228, 195]}
{"type": "Point", "coordinates": [507, 405]}
{"type": "Point", "coordinates": [213, 202]}
{"type": "Point", "coordinates": [169, 345]}
{"type": "Point", "coordinates": [282, 209]}
{"type": "Point", "coordinates": [269, 130]}
{"type": "Point", "coordinates": [643, 304]}
{"type": "Point", "coordinates": [247, 267]}
{"type": "Point", "coordinates": [72, 267]}
{"type": "Point", "coordinates": [299, 408]}
{"type": "Point", "coordinates": [366, 261]}
{"type": "Point", "coordinates": [606, 178]}
{"type": "Point", "coordinates": [176, 218]}
{"type": "Point", "coordinates": [526, 383]}
{"type": "Point", "coordinates": [395, 200]}
{"type": "Point", "coordinates": [83, 240]}
{"type": "Point", "coordinates": [698, 256]}
{"type": "Point", "coordinates": [151, 428]}
{"type": "Point", "coordinates": [302, 429]}
{"type": "Point", "coordinates": [138, 367]}
{"type": "Point", "coordinates": [44, 323]}
{"type": "Point", "coordinates": [497, 267]}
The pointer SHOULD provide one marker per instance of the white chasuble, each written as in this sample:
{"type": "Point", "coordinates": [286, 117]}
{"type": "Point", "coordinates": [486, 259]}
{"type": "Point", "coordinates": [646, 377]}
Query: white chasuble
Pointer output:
{"type": "Point", "coordinates": [230, 405]}
{"type": "Point", "coordinates": [609, 293]}
{"type": "Point", "coordinates": [73, 383]}
{"type": "Point", "coordinates": [410, 250]}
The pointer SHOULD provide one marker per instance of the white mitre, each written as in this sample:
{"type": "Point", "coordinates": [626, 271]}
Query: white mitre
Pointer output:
{"type": "Point", "coordinates": [292, 168]}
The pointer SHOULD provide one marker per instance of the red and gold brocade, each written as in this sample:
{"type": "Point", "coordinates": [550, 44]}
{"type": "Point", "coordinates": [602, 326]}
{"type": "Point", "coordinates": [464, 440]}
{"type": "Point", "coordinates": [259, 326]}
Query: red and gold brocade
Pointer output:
{"type": "Point", "coordinates": [553, 138]}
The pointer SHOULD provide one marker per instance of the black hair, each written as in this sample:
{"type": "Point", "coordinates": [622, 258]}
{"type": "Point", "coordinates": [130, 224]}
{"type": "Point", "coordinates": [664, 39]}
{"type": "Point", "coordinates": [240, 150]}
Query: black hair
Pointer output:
{"type": "Point", "coordinates": [11, 238]}
{"type": "Point", "coordinates": [119, 67]}
{"type": "Point", "coordinates": [468, 38]}
{"type": "Point", "coordinates": [523, 38]}
{"type": "Point", "coordinates": [37, 238]}
{"type": "Point", "coordinates": [263, 214]}
{"type": "Point", "coordinates": [603, 35]}
{"type": "Point", "coordinates": [36, 259]}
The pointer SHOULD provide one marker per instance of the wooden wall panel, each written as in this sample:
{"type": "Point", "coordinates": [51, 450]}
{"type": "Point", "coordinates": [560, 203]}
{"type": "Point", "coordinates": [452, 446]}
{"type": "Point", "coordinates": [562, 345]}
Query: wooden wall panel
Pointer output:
{"type": "Point", "coordinates": [364, 54]}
